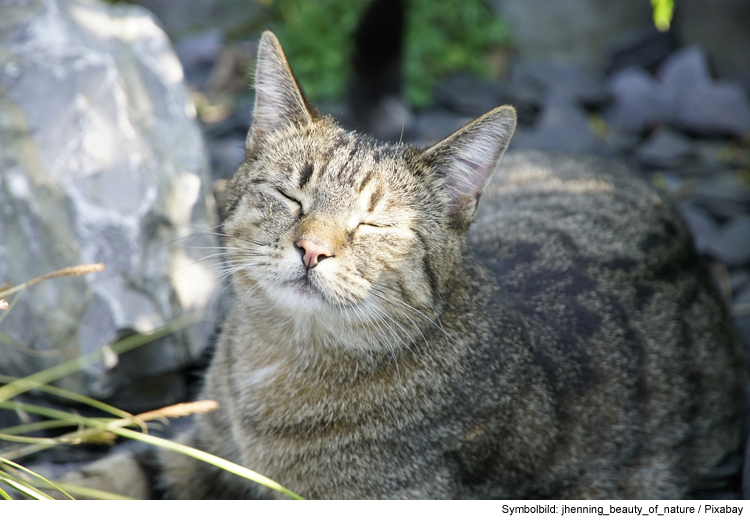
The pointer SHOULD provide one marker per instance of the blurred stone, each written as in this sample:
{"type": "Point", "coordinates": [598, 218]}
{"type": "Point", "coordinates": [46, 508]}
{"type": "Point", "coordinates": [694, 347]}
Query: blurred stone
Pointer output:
{"type": "Point", "coordinates": [464, 93]}
{"type": "Point", "coordinates": [565, 77]}
{"type": "Point", "coordinates": [645, 48]}
{"type": "Point", "coordinates": [576, 30]}
{"type": "Point", "coordinates": [620, 142]}
{"type": "Point", "coordinates": [226, 155]}
{"type": "Point", "coordinates": [562, 126]}
{"type": "Point", "coordinates": [702, 226]}
{"type": "Point", "coordinates": [638, 104]}
{"type": "Point", "coordinates": [709, 152]}
{"type": "Point", "coordinates": [719, 26]}
{"type": "Point", "coordinates": [732, 243]}
{"type": "Point", "coordinates": [699, 104]}
{"type": "Point", "coordinates": [102, 161]}
{"type": "Point", "coordinates": [739, 278]}
{"type": "Point", "coordinates": [723, 196]}
{"type": "Point", "coordinates": [665, 149]}
{"type": "Point", "coordinates": [683, 96]}
{"type": "Point", "coordinates": [230, 74]}
{"type": "Point", "coordinates": [198, 52]}
{"type": "Point", "coordinates": [433, 125]}
{"type": "Point", "coordinates": [180, 16]}
{"type": "Point", "coordinates": [742, 321]}
{"type": "Point", "coordinates": [136, 395]}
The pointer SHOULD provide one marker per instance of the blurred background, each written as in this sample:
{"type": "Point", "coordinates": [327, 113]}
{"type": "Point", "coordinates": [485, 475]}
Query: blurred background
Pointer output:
{"type": "Point", "coordinates": [119, 121]}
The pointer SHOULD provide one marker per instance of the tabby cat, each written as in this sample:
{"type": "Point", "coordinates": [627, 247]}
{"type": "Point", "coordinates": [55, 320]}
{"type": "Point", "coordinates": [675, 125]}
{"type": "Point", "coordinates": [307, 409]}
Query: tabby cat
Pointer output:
{"type": "Point", "coordinates": [391, 338]}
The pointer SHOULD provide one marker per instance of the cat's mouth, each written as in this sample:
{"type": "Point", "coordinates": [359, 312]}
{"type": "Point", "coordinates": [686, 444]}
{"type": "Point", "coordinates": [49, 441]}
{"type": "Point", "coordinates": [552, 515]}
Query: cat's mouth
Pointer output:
{"type": "Point", "coordinates": [306, 286]}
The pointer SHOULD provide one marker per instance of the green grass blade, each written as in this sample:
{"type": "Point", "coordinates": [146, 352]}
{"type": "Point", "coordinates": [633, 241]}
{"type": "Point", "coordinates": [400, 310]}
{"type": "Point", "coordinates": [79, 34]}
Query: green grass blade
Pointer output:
{"type": "Point", "coordinates": [37, 475]}
{"type": "Point", "coordinates": [37, 426]}
{"type": "Point", "coordinates": [28, 439]}
{"type": "Point", "coordinates": [5, 312]}
{"type": "Point", "coordinates": [69, 395]}
{"type": "Point", "coordinates": [115, 427]}
{"type": "Point", "coordinates": [226, 465]}
{"type": "Point", "coordinates": [26, 490]}
{"type": "Point", "coordinates": [5, 495]}
{"type": "Point", "coordinates": [50, 413]}
{"type": "Point", "coordinates": [73, 365]}
{"type": "Point", "coordinates": [85, 492]}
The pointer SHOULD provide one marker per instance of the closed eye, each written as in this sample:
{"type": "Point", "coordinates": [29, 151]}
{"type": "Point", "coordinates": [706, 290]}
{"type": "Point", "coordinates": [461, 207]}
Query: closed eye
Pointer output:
{"type": "Point", "coordinates": [289, 198]}
{"type": "Point", "coordinates": [370, 224]}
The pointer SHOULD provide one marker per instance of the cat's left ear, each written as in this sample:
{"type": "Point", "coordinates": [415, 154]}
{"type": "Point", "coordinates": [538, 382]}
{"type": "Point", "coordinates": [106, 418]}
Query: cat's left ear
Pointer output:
{"type": "Point", "coordinates": [279, 101]}
{"type": "Point", "coordinates": [464, 161]}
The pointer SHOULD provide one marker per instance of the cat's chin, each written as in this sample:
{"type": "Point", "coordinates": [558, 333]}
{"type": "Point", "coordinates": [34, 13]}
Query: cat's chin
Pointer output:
{"type": "Point", "coordinates": [299, 296]}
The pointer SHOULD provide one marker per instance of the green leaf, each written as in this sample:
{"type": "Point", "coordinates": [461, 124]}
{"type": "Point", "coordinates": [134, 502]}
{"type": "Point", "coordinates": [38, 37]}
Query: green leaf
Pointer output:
{"type": "Point", "coordinates": [663, 11]}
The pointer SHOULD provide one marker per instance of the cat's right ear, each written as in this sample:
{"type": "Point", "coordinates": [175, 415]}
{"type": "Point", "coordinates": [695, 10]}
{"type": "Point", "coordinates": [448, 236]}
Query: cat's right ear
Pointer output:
{"type": "Point", "coordinates": [464, 161]}
{"type": "Point", "coordinates": [279, 101]}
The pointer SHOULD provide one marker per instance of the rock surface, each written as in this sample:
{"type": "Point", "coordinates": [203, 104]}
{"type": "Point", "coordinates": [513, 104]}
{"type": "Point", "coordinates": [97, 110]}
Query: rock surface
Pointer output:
{"type": "Point", "coordinates": [577, 30]}
{"type": "Point", "coordinates": [101, 160]}
{"type": "Point", "coordinates": [682, 95]}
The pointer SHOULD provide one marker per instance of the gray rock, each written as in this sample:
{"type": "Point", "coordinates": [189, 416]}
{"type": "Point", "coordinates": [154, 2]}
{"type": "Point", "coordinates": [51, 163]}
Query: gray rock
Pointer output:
{"type": "Point", "coordinates": [665, 149]}
{"type": "Point", "coordinates": [719, 26]}
{"type": "Point", "coordinates": [702, 226]}
{"type": "Point", "coordinates": [639, 102]}
{"type": "Point", "coordinates": [710, 152]}
{"type": "Point", "coordinates": [621, 143]}
{"type": "Point", "coordinates": [466, 94]}
{"type": "Point", "coordinates": [732, 243]}
{"type": "Point", "coordinates": [684, 70]}
{"type": "Point", "coordinates": [181, 16]}
{"type": "Point", "coordinates": [226, 155]}
{"type": "Point", "coordinates": [645, 48]}
{"type": "Point", "coordinates": [431, 126]}
{"type": "Point", "coordinates": [719, 108]}
{"type": "Point", "coordinates": [102, 161]}
{"type": "Point", "coordinates": [575, 30]}
{"type": "Point", "coordinates": [683, 96]}
{"type": "Point", "coordinates": [562, 126]}
{"type": "Point", "coordinates": [699, 104]}
{"type": "Point", "coordinates": [198, 53]}
{"type": "Point", "coordinates": [579, 82]}
{"type": "Point", "coordinates": [741, 304]}
{"type": "Point", "coordinates": [723, 196]}
{"type": "Point", "coordinates": [739, 278]}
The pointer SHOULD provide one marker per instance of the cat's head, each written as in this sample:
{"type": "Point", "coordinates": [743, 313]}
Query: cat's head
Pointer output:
{"type": "Point", "coordinates": [328, 224]}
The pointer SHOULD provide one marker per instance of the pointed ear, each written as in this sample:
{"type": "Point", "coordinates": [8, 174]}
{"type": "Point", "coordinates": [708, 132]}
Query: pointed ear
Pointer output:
{"type": "Point", "coordinates": [279, 101]}
{"type": "Point", "coordinates": [464, 161]}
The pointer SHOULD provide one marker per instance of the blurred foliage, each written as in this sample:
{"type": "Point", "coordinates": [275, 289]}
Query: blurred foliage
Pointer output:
{"type": "Point", "coordinates": [441, 37]}
{"type": "Point", "coordinates": [663, 10]}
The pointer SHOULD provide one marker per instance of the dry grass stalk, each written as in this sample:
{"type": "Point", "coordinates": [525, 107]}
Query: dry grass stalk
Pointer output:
{"type": "Point", "coordinates": [65, 272]}
{"type": "Point", "coordinates": [179, 410]}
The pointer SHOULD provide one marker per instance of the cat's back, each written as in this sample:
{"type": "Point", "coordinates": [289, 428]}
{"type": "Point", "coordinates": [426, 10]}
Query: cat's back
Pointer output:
{"type": "Point", "coordinates": [595, 208]}
{"type": "Point", "coordinates": [602, 268]}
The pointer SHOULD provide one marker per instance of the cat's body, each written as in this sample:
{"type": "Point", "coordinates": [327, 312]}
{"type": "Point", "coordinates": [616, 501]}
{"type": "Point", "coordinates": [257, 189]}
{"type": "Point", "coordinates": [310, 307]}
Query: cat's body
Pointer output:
{"type": "Point", "coordinates": [570, 347]}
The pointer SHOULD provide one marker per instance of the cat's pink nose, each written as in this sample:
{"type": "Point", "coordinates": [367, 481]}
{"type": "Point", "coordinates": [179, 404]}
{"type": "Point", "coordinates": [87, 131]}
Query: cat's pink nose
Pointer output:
{"type": "Point", "coordinates": [312, 253]}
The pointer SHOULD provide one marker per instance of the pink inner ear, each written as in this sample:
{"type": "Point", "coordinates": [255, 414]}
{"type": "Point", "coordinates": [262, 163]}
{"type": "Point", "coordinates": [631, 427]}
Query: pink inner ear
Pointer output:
{"type": "Point", "coordinates": [467, 176]}
{"type": "Point", "coordinates": [466, 179]}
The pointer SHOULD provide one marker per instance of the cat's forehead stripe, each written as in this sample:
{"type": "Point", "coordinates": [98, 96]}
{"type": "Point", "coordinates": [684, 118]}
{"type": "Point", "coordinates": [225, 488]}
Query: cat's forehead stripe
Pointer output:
{"type": "Point", "coordinates": [306, 174]}
{"type": "Point", "coordinates": [365, 181]}
{"type": "Point", "coordinates": [375, 197]}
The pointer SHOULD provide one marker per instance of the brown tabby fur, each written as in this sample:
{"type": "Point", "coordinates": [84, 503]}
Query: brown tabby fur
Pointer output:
{"type": "Point", "coordinates": [559, 342]}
